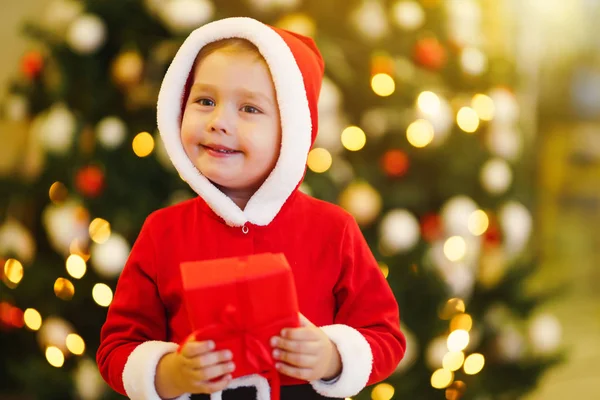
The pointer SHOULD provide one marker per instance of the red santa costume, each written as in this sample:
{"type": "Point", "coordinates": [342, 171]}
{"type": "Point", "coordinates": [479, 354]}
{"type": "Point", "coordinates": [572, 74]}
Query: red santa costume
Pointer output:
{"type": "Point", "coordinates": [339, 284]}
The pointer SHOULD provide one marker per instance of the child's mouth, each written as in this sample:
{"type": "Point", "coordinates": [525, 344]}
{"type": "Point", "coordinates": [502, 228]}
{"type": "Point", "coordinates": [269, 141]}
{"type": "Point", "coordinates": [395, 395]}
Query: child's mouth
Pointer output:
{"type": "Point", "coordinates": [219, 151]}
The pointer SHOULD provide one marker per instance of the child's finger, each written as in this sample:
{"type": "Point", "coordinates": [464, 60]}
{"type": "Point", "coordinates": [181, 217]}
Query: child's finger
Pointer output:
{"type": "Point", "coordinates": [304, 374]}
{"type": "Point", "coordinates": [296, 346]}
{"type": "Point", "coordinates": [214, 386]}
{"type": "Point", "coordinates": [304, 321]}
{"type": "Point", "coordinates": [208, 359]}
{"type": "Point", "coordinates": [192, 349]}
{"type": "Point", "coordinates": [302, 360]}
{"type": "Point", "coordinates": [306, 333]}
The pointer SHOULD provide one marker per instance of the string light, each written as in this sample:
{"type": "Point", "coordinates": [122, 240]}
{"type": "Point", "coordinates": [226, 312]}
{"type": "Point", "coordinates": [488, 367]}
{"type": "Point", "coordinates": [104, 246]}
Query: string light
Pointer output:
{"type": "Point", "coordinates": [58, 192]}
{"type": "Point", "coordinates": [143, 144]}
{"type": "Point", "coordinates": [461, 321]}
{"type": "Point", "coordinates": [442, 378]}
{"type": "Point", "coordinates": [429, 103]}
{"type": "Point", "coordinates": [383, 84]}
{"type": "Point", "coordinates": [384, 269]}
{"type": "Point", "coordinates": [64, 289]}
{"type": "Point", "coordinates": [55, 357]}
{"type": "Point", "coordinates": [420, 133]}
{"type": "Point", "coordinates": [319, 160]}
{"type": "Point", "coordinates": [458, 340]}
{"type": "Point", "coordinates": [453, 360]}
{"type": "Point", "coordinates": [483, 106]}
{"type": "Point", "coordinates": [76, 266]}
{"type": "Point", "coordinates": [13, 272]}
{"type": "Point", "coordinates": [75, 344]}
{"type": "Point", "coordinates": [383, 391]}
{"type": "Point", "coordinates": [455, 248]}
{"type": "Point", "coordinates": [99, 230]}
{"type": "Point", "coordinates": [467, 119]}
{"type": "Point", "coordinates": [353, 138]}
{"type": "Point", "coordinates": [33, 319]}
{"type": "Point", "coordinates": [478, 222]}
{"type": "Point", "coordinates": [102, 294]}
{"type": "Point", "coordinates": [474, 364]}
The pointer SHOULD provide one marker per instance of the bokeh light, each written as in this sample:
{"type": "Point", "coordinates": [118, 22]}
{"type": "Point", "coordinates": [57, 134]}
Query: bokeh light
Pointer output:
{"type": "Point", "coordinates": [441, 378]}
{"type": "Point", "coordinates": [383, 84]}
{"type": "Point", "coordinates": [319, 160]}
{"type": "Point", "coordinates": [76, 266]}
{"type": "Point", "coordinates": [474, 364]}
{"type": "Point", "coordinates": [143, 144]}
{"type": "Point", "coordinates": [99, 230]}
{"type": "Point", "coordinates": [420, 133]}
{"type": "Point", "coordinates": [353, 138]}
{"type": "Point", "coordinates": [483, 106]}
{"type": "Point", "coordinates": [33, 319]}
{"type": "Point", "coordinates": [478, 222]}
{"type": "Point", "coordinates": [55, 357]}
{"type": "Point", "coordinates": [102, 294]}
{"type": "Point", "coordinates": [458, 340]}
{"type": "Point", "coordinates": [467, 119]}
{"type": "Point", "coordinates": [455, 248]}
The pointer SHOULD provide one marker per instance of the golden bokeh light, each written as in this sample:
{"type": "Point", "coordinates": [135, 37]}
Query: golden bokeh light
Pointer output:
{"type": "Point", "coordinates": [474, 364]}
{"type": "Point", "coordinates": [458, 340]}
{"type": "Point", "coordinates": [453, 360]}
{"type": "Point", "coordinates": [467, 119]}
{"type": "Point", "coordinates": [76, 266]}
{"type": "Point", "coordinates": [64, 289]}
{"type": "Point", "coordinates": [441, 378]}
{"type": "Point", "coordinates": [75, 344]}
{"type": "Point", "coordinates": [102, 294]}
{"type": "Point", "coordinates": [383, 84]}
{"type": "Point", "coordinates": [99, 230]}
{"type": "Point", "coordinates": [483, 106]}
{"type": "Point", "coordinates": [456, 391]}
{"type": "Point", "coordinates": [384, 269]}
{"type": "Point", "coordinates": [79, 248]}
{"type": "Point", "coordinates": [420, 133]}
{"type": "Point", "coordinates": [383, 391]}
{"type": "Point", "coordinates": [55, 357]}
{"type": "Point", "coordinates": [353, 138]}
{"type": "Point", "coordinates": [33, 319]}
{"type": "Point", "coordinates": [455, 248]}
{"type": "Point", "coordinates": [451, 308]}
{"type": "Point", "coordinates": [58, 192]}
{"type": "Point", "coordinates": [478, 222]}
{"type": "Point", "coordinates": [461, 321]}
{"type": "Point", "coordinates": [429, 103]}
{"type": "Point", "coordinates": [13, 272]}
{"type": "Point", "coordinates": [143, 144]}
{"type": "Point", "coordinates": [319, 160]}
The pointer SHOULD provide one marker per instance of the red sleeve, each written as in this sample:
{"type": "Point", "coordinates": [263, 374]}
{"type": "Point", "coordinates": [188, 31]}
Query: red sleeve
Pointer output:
{"type": "Point", "coordinates": [136, 314]}
{"type": "Point", "coordinates": [365, 302]}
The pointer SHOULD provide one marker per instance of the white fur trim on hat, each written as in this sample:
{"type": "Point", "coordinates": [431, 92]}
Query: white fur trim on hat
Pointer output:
{"type": "Point", "coordinates": [293, 108]}
{"type": "Point", "coordinates": [263, 391]}
{"type": "Point", "coordinates": [140, 370]}
{"type": "Point", "coordinates": [357, 362]}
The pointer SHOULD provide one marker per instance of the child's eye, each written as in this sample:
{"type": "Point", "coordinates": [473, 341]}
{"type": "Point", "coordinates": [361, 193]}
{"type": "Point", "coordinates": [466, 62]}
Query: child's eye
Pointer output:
{"type": "Point", "coordinates": [251, 110]}
{"type": "Point", "coordinates": [206, 102]}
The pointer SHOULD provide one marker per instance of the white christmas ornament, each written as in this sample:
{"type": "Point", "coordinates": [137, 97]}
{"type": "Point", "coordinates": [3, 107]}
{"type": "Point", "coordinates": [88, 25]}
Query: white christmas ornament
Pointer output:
{"type": "Point", "coordinates": [412, 350]}
{"type": "Point", "coordinates": [370, 19]}
{"type": "Point", "coordinates": [436, 351]}
{"type": "Point", "coordinates": [16, 107]}
{"type": "Point", "coordinates": [473, 61]}
{"type": "Point", "coordinates": [54, 332]}
{"type": "Point", "coordinates": [545, 334]}
{"type": "Point", "coordinates": [515, 222]}
{"type": "Point", "coordinates": [111, 131]}
{"type": "Point", "coordinates": [182, 16]}
{"type": "Point", "coordinates": [109, 257]}
{"type": "Point", "coordinates": [510, 345]}
{"type": "Point", "coordinates": [455, 215]}
{"type": "Point", "coordinates": [65, 223]}
{"type": "Point", "coordinates": [408, 15]}
{"type": "Point", "coordinates": [496, 176]}
{"type": "Point", "coordinates": [16, 240]}
{"type": "Point", "coordinates": [399, 231]}
{"type": "Point", "coordinates": [504, 141]}
{"type": "Point", "coordinates": [61, 13]}
{"type": "Point", "coordinates": [86, 34]}
{"type": "Point", "coordinates": [506, 107]}
{"type": "Point", "coordinates": [88, 381]}
{"type": "Point", "coordinates": [55, 129]}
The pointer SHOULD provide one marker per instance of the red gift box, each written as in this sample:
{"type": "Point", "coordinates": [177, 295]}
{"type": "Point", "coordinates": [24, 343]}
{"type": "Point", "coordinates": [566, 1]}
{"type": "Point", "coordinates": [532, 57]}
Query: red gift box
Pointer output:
{"type": "Point", "coordinates": [240, 303]}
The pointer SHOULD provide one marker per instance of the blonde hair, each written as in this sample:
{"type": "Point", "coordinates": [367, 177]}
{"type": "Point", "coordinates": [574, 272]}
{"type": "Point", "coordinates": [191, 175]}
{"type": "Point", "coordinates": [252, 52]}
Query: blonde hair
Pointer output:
{"type": "Point", "coordinates": [231, 45]}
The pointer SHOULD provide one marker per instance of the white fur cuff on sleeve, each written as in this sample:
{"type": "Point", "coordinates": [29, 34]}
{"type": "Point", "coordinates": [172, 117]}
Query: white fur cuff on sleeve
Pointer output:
{"type": "Point", "coordinates": [140, 370]}
{"type": "Point", "coordinates": [357, 362]}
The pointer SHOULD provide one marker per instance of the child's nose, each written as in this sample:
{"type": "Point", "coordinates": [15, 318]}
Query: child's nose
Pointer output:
{"type": "Point", "coordinates": [220, 121]}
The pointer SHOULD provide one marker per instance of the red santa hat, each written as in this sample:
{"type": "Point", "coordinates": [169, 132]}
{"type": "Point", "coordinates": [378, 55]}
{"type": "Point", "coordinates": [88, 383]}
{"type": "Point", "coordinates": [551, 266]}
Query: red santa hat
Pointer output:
{"type": "Point", "coordinates": [296, 67]}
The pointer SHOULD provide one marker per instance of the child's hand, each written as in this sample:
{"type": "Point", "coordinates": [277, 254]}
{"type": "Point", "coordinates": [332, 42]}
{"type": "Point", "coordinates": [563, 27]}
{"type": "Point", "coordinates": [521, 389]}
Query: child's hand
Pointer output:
{"type": "Point", "coordinates": [194, 369]}
{"type": "Point", "coordinates": [306, 353]}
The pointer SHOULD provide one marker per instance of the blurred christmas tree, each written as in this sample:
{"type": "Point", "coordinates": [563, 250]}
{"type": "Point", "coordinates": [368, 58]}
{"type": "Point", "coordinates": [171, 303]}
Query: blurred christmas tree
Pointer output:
{"type": "Point", "coordinates": [430, 162]}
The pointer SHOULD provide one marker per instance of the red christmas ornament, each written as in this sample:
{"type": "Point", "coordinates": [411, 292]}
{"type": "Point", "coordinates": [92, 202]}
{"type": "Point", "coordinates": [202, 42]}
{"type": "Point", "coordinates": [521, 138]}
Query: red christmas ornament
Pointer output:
{"type": "Point", "coordinates": [430, 53]}
{"type": "Point", "coordinates": [431, 227]}
{"type": "Point", "coordinates": [32, 64]}
{"type": "Point", "coordinates": [90, 181]}
{"type": "Point", "coordinates": [395, 163]}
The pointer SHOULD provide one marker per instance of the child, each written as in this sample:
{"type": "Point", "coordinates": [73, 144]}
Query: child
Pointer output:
{"type": "Point", "coordinates": [237, 112]}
